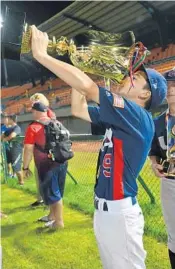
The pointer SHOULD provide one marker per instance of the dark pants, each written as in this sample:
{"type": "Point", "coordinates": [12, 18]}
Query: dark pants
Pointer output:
{"type": "Point", "coordinates": [16, 159]}
{"type": "Point", "coordinates": [8, 156]}
{"type": "Point", "coordinates": [172, 259]}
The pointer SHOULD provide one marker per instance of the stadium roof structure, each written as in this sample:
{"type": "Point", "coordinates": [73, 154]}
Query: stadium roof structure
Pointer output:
{"type": "Point", "coordinates": [153, 22]}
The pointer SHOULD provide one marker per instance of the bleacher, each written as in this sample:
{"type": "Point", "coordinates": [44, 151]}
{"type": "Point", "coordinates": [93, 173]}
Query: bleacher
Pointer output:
{"type": "Point", "coordinates": [157, 54]}
{"type": "Point", "coordinates": [16, 99]}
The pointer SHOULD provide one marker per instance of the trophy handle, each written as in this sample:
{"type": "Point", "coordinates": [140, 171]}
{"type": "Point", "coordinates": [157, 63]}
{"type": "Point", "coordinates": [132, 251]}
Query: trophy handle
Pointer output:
{"type": "Point", "coordinates": [55, 47]}
{"type": "Point", "coordinates": [26, 39]}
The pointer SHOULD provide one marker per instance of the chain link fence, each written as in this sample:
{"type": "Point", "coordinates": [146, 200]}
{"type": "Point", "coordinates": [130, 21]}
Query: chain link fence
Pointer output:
{"type": "Point", "coordinates": [81, 178]}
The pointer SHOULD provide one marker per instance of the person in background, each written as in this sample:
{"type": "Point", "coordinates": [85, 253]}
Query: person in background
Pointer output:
{"type": "Point", "coordinates": [15, 146]}
{"type": "Point", "coordinates": [2, 215]}
{"type": "Point", "coordinates": [164, 144]}
{"type": "Point", "coordinates": [39, 97]}
{"type": "Point", "coordinates": [51, 174]}
{"type": "Point", "coordinates": [4, 128]}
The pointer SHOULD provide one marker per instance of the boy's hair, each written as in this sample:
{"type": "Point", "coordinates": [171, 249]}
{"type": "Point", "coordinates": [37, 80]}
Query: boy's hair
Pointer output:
{"type": "Point", "coordinates": [13, 117]}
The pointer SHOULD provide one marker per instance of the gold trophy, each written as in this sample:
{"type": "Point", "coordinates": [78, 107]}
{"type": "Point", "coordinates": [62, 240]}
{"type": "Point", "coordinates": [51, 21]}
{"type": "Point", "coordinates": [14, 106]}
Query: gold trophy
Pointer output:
{"type": "Point", "coordinates": [169, 164]}
{"type": "Point", "coordinates": [113, 56]}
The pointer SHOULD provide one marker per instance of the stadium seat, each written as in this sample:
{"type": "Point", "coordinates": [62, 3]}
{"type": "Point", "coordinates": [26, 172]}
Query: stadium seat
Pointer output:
{"type": "Point", "coordinates": [16, 100]}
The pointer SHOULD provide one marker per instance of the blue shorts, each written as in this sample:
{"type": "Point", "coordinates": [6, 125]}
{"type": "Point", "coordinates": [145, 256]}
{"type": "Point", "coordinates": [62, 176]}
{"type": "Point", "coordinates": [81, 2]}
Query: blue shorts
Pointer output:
{"type": "Point", "coordinates": [53, 183]}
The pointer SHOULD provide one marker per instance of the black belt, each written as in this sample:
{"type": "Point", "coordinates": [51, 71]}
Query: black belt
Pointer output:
{"type": "Point", "coordinates": [96, 203]}
{"type": "Point", "coordinates": [105, 206]}
{"type": "Point", "coordinates": [172, 178]}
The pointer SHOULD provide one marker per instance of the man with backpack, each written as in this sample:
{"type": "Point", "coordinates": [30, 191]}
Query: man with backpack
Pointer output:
{"type": "Point", "coordinates": [39, 97]}
{"type": "Point", "coordinates": [48, 141]}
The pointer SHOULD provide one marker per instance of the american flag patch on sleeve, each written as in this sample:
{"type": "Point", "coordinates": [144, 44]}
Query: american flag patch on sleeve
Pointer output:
{"type": "Point", "coordinates": [118, 101]}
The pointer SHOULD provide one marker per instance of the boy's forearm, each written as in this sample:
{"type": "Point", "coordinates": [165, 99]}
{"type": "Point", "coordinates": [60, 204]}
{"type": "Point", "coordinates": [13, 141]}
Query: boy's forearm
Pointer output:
{"type": "Point", "coordinates": [78, 101]}
{"type": "Point", "coordinates": [79, 106]}
{"type": "Point", "coordinates": [68, 73]}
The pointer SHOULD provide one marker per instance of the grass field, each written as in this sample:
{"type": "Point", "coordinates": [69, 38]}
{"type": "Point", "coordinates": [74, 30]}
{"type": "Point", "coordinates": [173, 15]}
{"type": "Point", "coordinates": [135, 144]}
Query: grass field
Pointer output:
{"type": "Point", "coordinates": [80, 196]}
{"type": "Point", "coordinates": [27, 245]}
{"type": "Point", "coordinates": [79, 200]}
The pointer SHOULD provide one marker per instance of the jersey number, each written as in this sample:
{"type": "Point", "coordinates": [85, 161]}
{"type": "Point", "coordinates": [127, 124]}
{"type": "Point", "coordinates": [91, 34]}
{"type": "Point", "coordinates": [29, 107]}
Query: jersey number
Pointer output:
{"type": "Point", "coordinates": [107, 164]}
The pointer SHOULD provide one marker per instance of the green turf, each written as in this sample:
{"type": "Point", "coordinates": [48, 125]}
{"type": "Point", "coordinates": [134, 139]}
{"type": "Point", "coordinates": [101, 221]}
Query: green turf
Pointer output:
{"type": "Point", "coordinates": [80, 196]}
{"type": "Point", "coordinates": [27, 245]}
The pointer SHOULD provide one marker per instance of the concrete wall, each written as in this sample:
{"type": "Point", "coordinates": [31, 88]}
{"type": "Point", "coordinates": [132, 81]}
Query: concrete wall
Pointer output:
{"type": "Point", "coordinates": [74, 125]}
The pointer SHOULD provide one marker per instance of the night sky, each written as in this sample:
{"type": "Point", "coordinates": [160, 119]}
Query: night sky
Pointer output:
{"type": "Point", "coordinates": [36, 11]}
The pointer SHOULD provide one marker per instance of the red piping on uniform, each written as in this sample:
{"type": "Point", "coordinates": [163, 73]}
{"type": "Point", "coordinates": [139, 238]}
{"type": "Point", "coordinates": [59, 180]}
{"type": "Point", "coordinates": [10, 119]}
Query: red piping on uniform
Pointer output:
{"type": "Point", "coordinates": [118, 191]}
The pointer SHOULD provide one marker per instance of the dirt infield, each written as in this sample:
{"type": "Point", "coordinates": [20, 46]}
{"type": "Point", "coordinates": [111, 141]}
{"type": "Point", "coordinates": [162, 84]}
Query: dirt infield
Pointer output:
{"type": "Point", "coordinates": [86, 146]}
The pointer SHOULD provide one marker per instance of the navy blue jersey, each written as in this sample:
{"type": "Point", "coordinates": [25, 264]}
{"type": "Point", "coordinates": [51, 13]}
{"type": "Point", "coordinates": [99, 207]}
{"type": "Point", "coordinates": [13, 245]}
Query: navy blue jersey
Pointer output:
{"type": "Point", "coordinates": [127, 141]}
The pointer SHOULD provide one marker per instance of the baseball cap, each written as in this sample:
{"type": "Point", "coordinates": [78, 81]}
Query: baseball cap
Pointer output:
{"type": "Point", "coordinates": [170, 75]}
{"type": "Point", "coordinates": [3, 115]}
{"type": "Point", "coordinates": [158, 86]}
{"type": "Point", "coordinates": [13, 117]}
{"type": "Point", "coordinates": [38, 106]}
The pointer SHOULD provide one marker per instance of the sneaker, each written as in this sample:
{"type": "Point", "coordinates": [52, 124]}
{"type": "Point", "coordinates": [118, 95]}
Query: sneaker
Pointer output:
{"type": "Point", "coordinates": [44, 219]}
{"type": "Point", "coordinates": [37, 203]}
{"type": "Point", "coordinates": [50, 224]}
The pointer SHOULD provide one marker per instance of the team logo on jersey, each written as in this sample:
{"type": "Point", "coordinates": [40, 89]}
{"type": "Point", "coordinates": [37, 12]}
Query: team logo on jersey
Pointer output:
{"type": "Point", "coordinates": [107, 141]}
{"type": "Point", "coordinates": [108, 93]}
{"type": "Point", "coordinates": [118, 101]}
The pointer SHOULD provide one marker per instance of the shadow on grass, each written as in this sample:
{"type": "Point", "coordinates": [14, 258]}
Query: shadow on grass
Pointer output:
{"type": "Point", "coordinates": [85, 224]}
{"type": "Point", "coordinates": [45, 230]}
{"type": "Point", "coordinates": [156, 233]}
{"type": "Point", "coordinates": [18, 209]}
{"type": "Point", "coordinates": [40, 230]}
{"type": "Point", "coordinates": [79, 208]}
{"type": "Point", "coordinates": [10, 229]}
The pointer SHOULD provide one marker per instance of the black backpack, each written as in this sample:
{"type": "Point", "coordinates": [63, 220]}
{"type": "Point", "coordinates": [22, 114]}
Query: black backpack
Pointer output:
{"type": "Point", "coordinates": [58, 145]}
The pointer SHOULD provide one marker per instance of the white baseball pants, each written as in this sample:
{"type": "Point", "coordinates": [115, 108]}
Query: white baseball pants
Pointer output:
{"type": "Point", "coordinates": [168, 208]}
{"type": "Point", "coordinates": [119, 233]}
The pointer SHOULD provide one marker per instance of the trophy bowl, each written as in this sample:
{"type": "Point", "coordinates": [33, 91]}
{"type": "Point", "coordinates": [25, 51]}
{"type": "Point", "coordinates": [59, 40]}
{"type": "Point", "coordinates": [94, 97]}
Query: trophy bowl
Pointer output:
{"type": "Point", "coordinates": [105, 54]}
